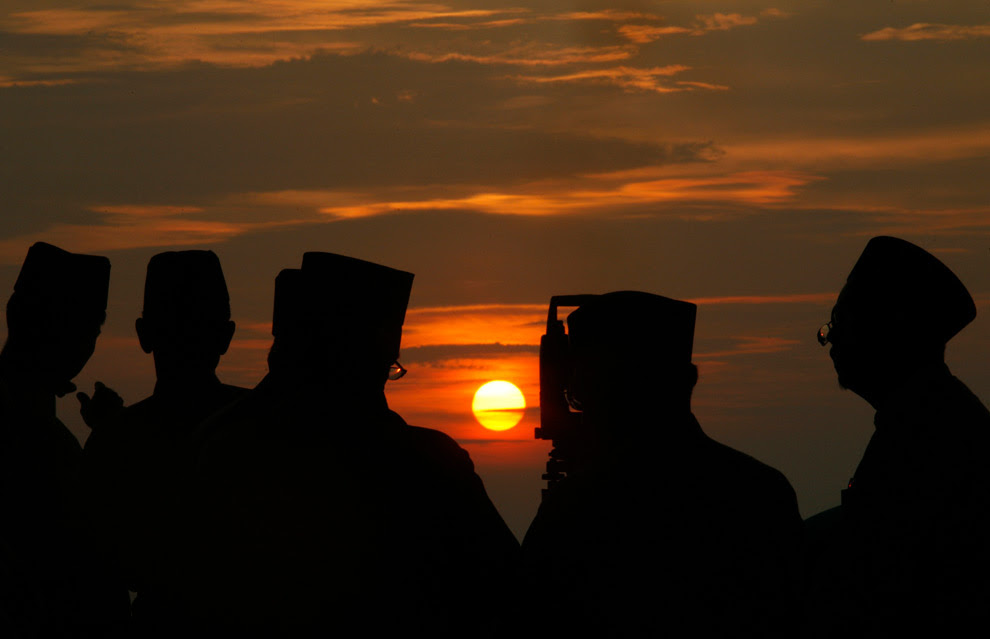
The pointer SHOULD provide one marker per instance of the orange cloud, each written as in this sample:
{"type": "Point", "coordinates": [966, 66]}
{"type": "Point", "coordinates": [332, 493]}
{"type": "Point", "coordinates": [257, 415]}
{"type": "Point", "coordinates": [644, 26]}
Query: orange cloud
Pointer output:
{"type": "Point", "coordinates": [120, 227]}
{"type": "Point", "coordinates": [487, 323]}
{"type": "Point", "coordinates": [645, 33]}
{"type": "Point", "coordinates": [613, 15]}
{"type": "Point", "coordinates": [927, 31]}
{"type": "Point", "coordinates": [937, 145]}
{"type": "Point", "coordinates": [892, 220]}
{"type": "Point", "coordinates": [7, 81]}
{"type": "Point", "coordinates": [724, 21]}
{"type": "Point", "coordinates": [469, 26]}
{"type": "Point", "coordinates": [260, 16]}
{"type": "Point", "coordinates": [531, 55]}
{"type": "Point", "coordinates": [607, 15]}
{"type": "Point", "coordinates": [702, 85]}
{"type": "Point", "coordinates": [753, 188]}
{"type": "Point", "coordinates": [261, 32]}
{"type": "Point", "coordinates": [166, 34]}
{"type": "Point", "coordinates": [629, 78]}
{"type": "Point", "coordinates": [775, 13]}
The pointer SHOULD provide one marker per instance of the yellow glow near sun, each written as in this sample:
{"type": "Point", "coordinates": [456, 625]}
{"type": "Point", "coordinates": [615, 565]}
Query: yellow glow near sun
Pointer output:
{"type": "Point", "coordinates": [498, 405]}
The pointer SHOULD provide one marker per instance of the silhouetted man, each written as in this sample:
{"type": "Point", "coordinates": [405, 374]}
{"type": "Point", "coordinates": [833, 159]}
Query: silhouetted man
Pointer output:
{"type": "Point", "coordinates": [660, 530]}
{"type": "Point", "coordinates": [323, 511]}
{"type": "Point", "coordinates": [907, 551]}
{"type": "Point", "coordinates": [137, 462]}
{"type": "Point", "coordinates": [54, 317]}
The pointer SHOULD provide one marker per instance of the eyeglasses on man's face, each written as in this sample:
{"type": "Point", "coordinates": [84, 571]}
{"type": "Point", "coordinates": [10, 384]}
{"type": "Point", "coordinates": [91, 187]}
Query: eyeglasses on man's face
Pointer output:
{"type": "Point", "coordinates": [396, 371]}
{"type": "Point", "coordinates": [823, 333]}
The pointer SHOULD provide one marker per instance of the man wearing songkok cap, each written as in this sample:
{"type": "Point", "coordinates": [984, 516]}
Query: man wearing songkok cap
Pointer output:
{"type": "Point", "coordinates": [135, 462]}
{"type": "Point", "coordinates": [907, 551]}
{"type": "Point", "coordinates": [660, 530]}
{"type": "Point", "coordinates": [54, 317]}
{"type": "Point", "coordinates": [322, 508]}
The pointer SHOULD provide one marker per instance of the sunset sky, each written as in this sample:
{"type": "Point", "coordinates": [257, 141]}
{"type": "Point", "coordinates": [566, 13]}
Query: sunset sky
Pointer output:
{"type": "Point", "coordinates": [737, 154]}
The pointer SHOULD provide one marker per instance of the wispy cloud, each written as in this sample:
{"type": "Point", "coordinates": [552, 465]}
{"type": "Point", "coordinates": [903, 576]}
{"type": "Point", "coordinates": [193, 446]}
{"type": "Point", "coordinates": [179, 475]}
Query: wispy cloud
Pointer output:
{"type": "Point", "coordinates": [703, 24]}
{"type": "Point", "coordinates": [533, 54]}
{"type": "Point", "coordinates": [927, 31]}
{"type": "Point", "coordinates": [724, 21]}
{"type": "Point", "coordinates": [646, 33]}
{"type": "Point", "coordinates": [629, 78]}
{"type": "Point", "coordinates": [940, 144]}
{"type": "Point", "coordinates": [161, 34]}
{"type": "Point", "coordinates": [121, 227]}
{"type": "Point", "coordinates": [775, 13]}
{"type": "Point", "coordinates": [892, 220]}
{"type": "Point", "coordinates": [468, 326]}
{"type": "Point", "coordinates": [206, 17]}
{"type": "Point", "coordinates": [152, 34]}
{"type": "Point", "coordinates": [440, 352]}
{"type": "Point", "coordinates": [530, 17]}
{"type": "Point", "coordinates": [592, 193]}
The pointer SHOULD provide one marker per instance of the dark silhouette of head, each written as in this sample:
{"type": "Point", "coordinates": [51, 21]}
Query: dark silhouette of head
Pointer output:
{"type": "Point", "coordinates": [339, 318]}
{"type": "Point", "coordinates": [185, 323]}
{"type": "Point", "coordinates": [898, 309]}
{"type": "Point", "coordinates": [55, 315]}
{"type": "Point", "coordinates": [632, 353]}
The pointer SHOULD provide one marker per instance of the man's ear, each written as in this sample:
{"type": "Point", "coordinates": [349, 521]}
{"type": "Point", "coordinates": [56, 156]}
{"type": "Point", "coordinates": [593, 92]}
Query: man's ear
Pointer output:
{"type": "Point", "coordinates": [226, 334]}
{"type": "Point", "coordinates": [145, 336]}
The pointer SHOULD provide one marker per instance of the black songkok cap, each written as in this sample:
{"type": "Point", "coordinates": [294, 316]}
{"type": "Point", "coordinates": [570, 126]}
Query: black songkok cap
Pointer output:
{"type": "Point", "coordinates": [902, 281]}
{"type": "Point", "coordinates": [184, 285]}
{"type": "Point", "coordinates": [358, 292]}
{"type": "Point", "coordinates": [343, 293]}
{"type": "Point", "coordinates": [60, 279]}
{"type": "Point", "coordinates": [634, 325]}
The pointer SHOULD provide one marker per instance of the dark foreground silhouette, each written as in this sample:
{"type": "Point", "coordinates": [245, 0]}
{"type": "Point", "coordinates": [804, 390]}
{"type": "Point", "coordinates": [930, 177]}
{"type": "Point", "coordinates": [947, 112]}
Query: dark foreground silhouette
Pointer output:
{"type": "Point", "coordinates": [908, 551]}
{"type": "Point", "coordinates": [47, 588]}
{"type": "Point", "coordinates": [136, 462]}
{"type": "Point", "coordinates": [316, 508]}
{"type": "Point", "coordinates": [657, 530]}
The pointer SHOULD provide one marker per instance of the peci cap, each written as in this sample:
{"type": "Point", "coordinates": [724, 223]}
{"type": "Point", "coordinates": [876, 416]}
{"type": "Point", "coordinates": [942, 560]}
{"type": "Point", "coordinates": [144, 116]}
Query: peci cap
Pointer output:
{"type": "Point", "coordinates": [341, 292]}
{"type": "Point", "coordinates": [636, 325]}
{"type": "Point", "coordinates": [189, 284]}
{"type": "Point", "coordinates": [58, 278]}
{"type": "Point", "coordinates": [902, 280]}
{"type": "Point", "coordinates": [357, 292]}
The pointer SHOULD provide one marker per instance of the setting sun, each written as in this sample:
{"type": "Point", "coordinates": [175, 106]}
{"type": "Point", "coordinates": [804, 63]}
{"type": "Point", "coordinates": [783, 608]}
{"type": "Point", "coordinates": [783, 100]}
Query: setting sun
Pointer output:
{"type": "Point", "coordinates": [498, 405]}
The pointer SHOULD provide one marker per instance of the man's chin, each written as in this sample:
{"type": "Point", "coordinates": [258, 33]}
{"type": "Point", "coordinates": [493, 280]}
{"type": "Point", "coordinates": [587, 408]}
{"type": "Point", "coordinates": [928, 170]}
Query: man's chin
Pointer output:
{"type": "Point", "coordinates": [844, 382]}
{"type": "Point", "coordinates": [64, 388]}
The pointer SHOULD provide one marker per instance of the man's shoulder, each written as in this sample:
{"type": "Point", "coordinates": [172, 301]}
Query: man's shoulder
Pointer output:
{"type": "Point", "coordinates": [435, 447]}
{"type": "Point", "coordinates": [428, 437]}
{"type": "Point", "coordinates": [961, 399]}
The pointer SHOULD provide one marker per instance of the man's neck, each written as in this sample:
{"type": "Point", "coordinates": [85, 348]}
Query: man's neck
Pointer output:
{"type": "Point", "coordinates": [185, 381]}
{"type": "Point", "coordinates": [907, 386]}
